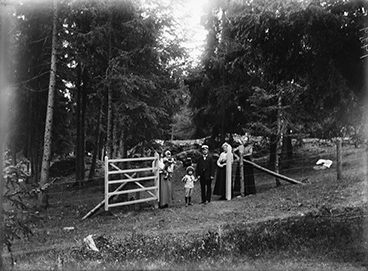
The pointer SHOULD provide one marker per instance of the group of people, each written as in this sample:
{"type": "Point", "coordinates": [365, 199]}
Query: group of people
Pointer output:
{"type": "Point", "coordinates": [206, 170]}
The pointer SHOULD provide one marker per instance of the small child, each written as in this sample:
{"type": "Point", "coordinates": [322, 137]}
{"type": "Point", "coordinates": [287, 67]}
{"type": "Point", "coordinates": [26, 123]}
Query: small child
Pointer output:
{"type": "Point", "coordinates": [189, 180]}
{"type": "Point", "coordinates": [169, 163]}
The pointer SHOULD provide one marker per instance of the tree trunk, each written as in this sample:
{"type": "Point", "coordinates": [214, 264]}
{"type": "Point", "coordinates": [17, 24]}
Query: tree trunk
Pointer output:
{"type": "Point", "coordinates": [109, 125]}
{"type": "Point", "coordinates": [109, 109]}
{"type": "Point", "coordinates": [223, 109]}
{"type": "Point", "coordinates": [81, 123]}
{"type": "Point", "coordinates": [96, 143]}
{"type": "Point", "coordinates": [115, 140]}
{"type": "Point", "coordinates": [121, 146]}
{"type": "Point", "coordinates": [287, 151]}
{"type": "Point", "coordinates": [273, 149]}
{"type": "Point", "coordinates": [123, 149]}
{"type": "Point", "coordinates": [34, 144]}
{"type": "Point", "coordinates": [101, 147]}
{"type": "Point", "coordinates": [288, 147]}
{"type": "Point", "coordinates": [82, 138]}
{"type": "Point", "coordinates": [78, 176]}
{"type": "Point", "coordinates": [42, 196]}
{"type": "Point", "coordinates": [278, 139]}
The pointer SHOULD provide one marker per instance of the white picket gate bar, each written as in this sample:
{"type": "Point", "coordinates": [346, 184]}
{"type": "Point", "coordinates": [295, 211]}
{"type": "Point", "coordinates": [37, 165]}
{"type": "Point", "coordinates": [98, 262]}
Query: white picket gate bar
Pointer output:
{"type": "Point", "coordinates": [129, 175]}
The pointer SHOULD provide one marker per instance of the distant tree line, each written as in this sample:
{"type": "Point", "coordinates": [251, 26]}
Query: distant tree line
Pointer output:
{"type": "Point", "coordinates": [115, 84]}
{"type": "Point", "coordinates": [274, 67]}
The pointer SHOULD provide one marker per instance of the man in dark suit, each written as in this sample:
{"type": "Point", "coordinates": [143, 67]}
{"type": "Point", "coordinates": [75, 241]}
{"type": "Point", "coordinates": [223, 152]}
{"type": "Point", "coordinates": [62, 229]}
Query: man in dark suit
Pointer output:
{"type": "Point", "coordinates": [205, 172]}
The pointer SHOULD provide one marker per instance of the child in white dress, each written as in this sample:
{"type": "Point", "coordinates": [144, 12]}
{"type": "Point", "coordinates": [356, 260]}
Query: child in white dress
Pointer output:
{"type": "Point", "coordinates": [189, 180]}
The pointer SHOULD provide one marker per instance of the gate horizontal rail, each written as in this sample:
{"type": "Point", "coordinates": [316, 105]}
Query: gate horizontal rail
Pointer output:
{"type": "Point", "coordinates": [132, 190]}
{"type": "Point", "coordinates": [135, 159]}
{"type": "Point", "coordinates": [133, 180]}
{"type": "Point", "coordinates": [112, 169]}
{"type": "Point", "coordinates": [131, 202]}
{"type": "Point", "coordinates": [131, 170]}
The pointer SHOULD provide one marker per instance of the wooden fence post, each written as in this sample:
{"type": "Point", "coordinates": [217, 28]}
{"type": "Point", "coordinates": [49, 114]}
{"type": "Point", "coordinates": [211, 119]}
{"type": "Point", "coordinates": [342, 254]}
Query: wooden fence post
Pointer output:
{"type": "Point", "coordinates": [229, 160]}
{"type": "Point", "coordinates": [106, 183]}
{"type": "Point", "coordinates": [241, 169]}
{"type": "Point", "coordinates": [339, 158]}
{"type": "Point", "coordinates": [157, 179]}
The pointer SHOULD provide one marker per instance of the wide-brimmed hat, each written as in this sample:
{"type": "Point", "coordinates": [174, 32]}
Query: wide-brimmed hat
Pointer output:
{"type": "Point", "coordinates": [190, 168]}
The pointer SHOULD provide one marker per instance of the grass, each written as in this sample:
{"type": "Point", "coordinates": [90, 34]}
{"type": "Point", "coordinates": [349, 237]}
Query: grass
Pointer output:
{"type": "Point", "coordinates": [327, 237]}
{"type": "Point", "coordinates": [323, 240]}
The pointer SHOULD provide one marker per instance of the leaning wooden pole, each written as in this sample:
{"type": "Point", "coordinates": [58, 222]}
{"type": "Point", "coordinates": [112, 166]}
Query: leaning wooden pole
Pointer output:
{"type": "Point", "coordinates": [274, 174]}
{"type": "Point", "coordinates": [102, 203]}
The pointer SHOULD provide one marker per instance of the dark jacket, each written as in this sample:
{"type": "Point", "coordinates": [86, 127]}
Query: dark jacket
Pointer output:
{"type": "Point", "coordinates": [205, 168]}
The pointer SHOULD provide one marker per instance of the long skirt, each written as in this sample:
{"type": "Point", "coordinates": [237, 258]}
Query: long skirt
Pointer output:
{"type": "Point", "coordinates": [165, 191]}
{"type": "Point", "coordinates": [220, 184]}
{"type": "Point", "coordinates": [249, 184]}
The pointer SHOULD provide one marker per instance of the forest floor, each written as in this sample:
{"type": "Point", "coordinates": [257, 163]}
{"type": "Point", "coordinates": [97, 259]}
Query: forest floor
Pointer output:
{"type": "Point", "coordinates": [60, 227]}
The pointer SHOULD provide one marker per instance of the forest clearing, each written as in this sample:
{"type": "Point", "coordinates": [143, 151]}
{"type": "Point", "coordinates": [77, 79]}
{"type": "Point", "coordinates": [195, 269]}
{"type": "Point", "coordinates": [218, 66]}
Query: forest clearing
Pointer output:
{"type": "Point", "coordinates": [281, 83]}
{"type": "Point", "coordinates": [317, 226]}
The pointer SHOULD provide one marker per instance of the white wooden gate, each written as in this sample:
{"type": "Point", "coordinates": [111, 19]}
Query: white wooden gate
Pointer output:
{"type": "Point", "coordinates": [124, 171]}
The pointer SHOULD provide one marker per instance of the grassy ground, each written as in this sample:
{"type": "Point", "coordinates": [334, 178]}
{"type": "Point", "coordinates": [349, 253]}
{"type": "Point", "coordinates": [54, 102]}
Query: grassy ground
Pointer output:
{"type": "Point", "coordinates": [317, 226]}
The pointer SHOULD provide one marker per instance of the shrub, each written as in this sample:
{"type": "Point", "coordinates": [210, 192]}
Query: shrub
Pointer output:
{"type": "Point", "coordinates": [13, 206]}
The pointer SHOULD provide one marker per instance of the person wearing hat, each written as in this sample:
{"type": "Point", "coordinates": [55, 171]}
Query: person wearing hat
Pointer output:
{"type": "Point", "coordinates": [205, 171]}
{"type": "Point", "coordinates": [245, 150]}
{"type": "Point", "coordinates": [189, 180]}
{"type": "Point", "coordinates": [249, 184]}
{"type": "Point", "coordinates": [220, 184]}
{"type": "Point", "coordinates": [166, 195]}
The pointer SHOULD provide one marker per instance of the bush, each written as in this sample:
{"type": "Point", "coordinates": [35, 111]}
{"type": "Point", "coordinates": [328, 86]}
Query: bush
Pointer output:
{"type": "Point", "coordinates": [13, 206]}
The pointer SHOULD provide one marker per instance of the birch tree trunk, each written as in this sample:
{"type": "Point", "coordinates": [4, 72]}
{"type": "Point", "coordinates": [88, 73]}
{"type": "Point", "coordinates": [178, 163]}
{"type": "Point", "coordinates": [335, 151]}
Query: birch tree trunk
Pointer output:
{"type": "Point", "coordinates": [278, 139]}
{"type": "Point", "coordinates": [42, 196]}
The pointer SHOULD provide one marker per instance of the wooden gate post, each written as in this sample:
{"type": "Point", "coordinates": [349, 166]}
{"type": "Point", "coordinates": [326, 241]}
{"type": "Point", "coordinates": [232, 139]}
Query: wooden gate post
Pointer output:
{"type": "Point", "coordinates": [229, 165]}
{"type": "Point", "coordinates": [157, 179]}
{"type": "Point", "coordinates": [241, 168]}
{"type": "Point", "coordinates": [106, 183]}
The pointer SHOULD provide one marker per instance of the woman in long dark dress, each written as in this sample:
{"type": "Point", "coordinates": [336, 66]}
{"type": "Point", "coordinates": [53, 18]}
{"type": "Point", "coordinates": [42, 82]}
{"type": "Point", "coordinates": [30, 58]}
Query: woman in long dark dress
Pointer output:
{"type": "Point", "coordinates": [164, 191]}
{"type": "Point", "coordinates": [220, 184]}
{"type": "Point", "coordinates": [249, 184]}
{"type": "Point", "coordinates": [167, 168]}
